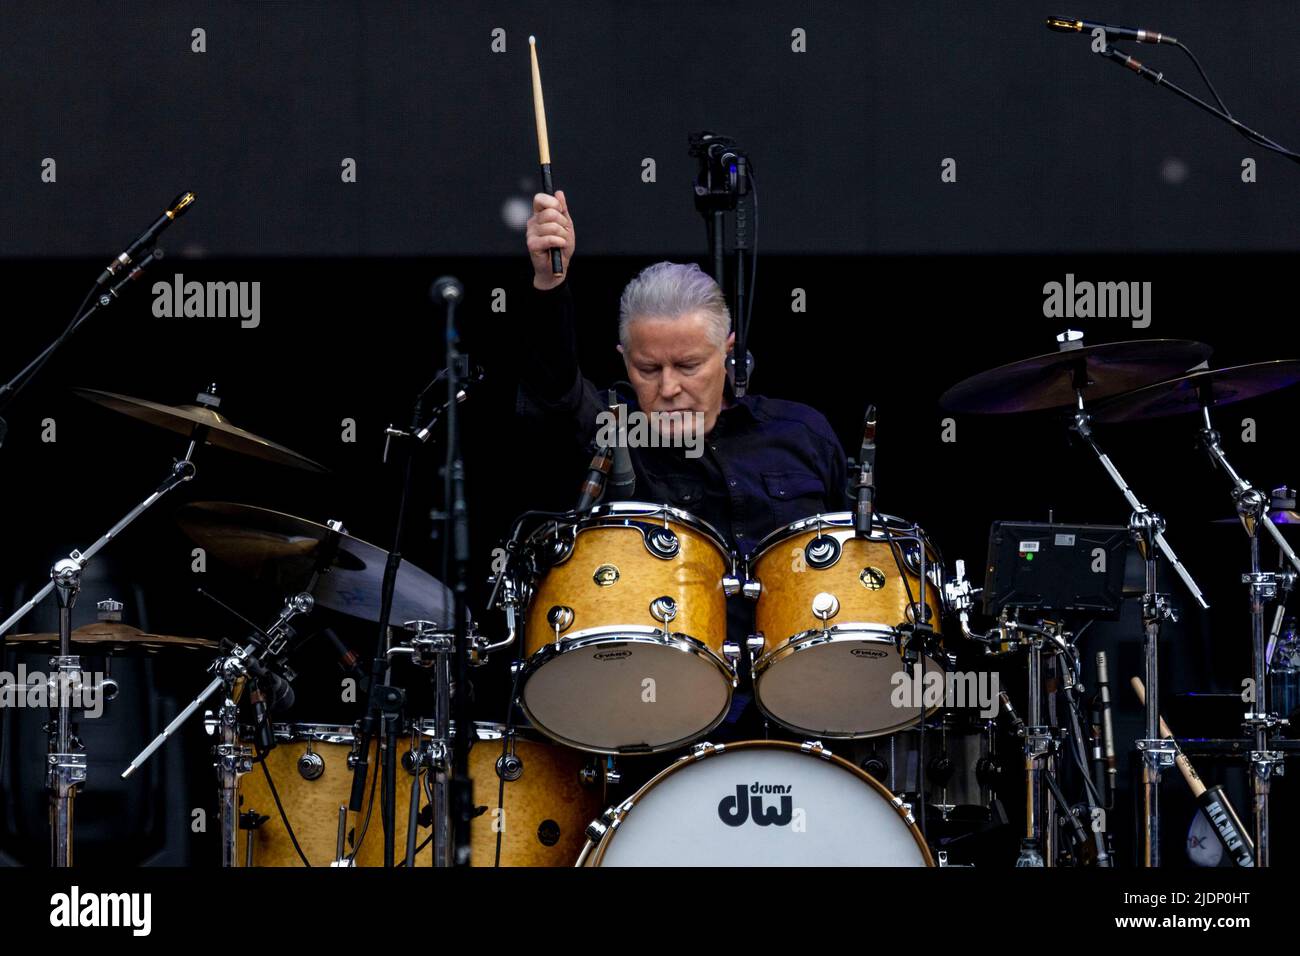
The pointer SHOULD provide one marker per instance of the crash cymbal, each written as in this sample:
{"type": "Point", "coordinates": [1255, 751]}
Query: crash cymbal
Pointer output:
{"type": "Point", "coordinates": [1048, 381]}
{"type": "Point", "coordinates": [184, 418]}
{"type": "Point", "coordinates": [1184, 394]}
{"type": "Point", "coordinates": [281, 550]}
{"type": "Point", "coordinates": [116, 636]}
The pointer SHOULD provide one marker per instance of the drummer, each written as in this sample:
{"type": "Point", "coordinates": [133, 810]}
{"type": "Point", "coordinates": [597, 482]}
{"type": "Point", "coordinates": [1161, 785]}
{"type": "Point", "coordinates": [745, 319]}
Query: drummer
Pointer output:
{"type": "Point", "coordinates": [759, 464]}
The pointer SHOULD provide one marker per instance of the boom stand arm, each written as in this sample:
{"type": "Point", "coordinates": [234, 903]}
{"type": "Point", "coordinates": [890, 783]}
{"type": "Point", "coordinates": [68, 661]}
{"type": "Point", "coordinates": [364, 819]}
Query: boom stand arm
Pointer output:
{"type": "Point", "coordinates": [1147, 529]}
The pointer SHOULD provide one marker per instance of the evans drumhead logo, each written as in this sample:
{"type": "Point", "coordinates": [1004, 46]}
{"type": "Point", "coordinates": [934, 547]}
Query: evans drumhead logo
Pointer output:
{"type": "Point", "coordinates": [610, 655]}
{"type": "Point", "coordinates": [869, 652]}
{"type": "Point", "coordinates": [747, 804]}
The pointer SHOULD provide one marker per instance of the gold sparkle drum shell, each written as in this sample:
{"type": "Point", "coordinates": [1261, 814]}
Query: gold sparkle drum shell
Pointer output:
{"type": "Point", "coordinates": [625, 629]}
{"type": "Point", "coordinates": [829, 610]}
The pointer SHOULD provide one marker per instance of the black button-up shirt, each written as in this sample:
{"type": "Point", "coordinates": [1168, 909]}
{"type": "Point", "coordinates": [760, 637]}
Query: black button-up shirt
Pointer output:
{"type": "Point", "coordinates": [765, 464]}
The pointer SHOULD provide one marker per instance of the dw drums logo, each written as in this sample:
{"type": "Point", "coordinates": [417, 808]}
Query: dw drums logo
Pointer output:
{"type": "Point", "coordinates": [747, 803]}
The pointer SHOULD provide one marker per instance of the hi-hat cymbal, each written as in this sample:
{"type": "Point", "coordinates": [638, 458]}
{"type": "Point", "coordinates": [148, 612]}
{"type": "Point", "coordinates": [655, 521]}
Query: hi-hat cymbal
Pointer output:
{"type": "Point", "coordinates": [1048, 381]}
{"type": "Point", "coordinates": [112, 635]}
{"type": "Point", "coordinates": [282, 550]}
{"type": "Point", "coordinates": [1185, 394]}
{"type": "Point", "coordinates": [184, 418]}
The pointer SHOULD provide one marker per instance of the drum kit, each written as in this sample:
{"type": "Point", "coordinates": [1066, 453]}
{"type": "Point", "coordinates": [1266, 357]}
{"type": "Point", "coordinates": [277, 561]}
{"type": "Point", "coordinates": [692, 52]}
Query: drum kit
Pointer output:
{"type": "Point", "coordinates": [616, 619]}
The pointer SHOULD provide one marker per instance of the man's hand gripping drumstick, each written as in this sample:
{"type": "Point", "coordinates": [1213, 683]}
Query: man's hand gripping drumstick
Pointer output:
{"type": "Point", "coordinates": [552, 251]}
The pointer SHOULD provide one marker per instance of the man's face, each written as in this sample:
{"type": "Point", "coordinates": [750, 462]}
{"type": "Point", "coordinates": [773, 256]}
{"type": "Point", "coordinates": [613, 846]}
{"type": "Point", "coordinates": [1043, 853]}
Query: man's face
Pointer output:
{"type": "Point", "coordinates": [675, 366]}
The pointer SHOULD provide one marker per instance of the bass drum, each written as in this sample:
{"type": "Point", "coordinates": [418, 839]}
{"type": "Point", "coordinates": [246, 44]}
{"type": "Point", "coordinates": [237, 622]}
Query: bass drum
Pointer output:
{"type": "Point", "coordinates": [758, 803]}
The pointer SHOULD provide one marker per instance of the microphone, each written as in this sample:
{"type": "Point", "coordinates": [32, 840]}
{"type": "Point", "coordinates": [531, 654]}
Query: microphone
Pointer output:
{"type": "Point", "coordinates": [261, 719]}
{"type": "Point", "coordinates": [462, 393]}
{"type": "Point", "coordinates": [1107, 754]}
{"type": "Point", "coordinates": [593, 486]}
{"type": "Point", "coordinates": [1071, 25]}
{"type": "Point", "coordinates": [622, 476]}
{"type": "Point", "coordinates": [1137, 66]}
{"type": "Point", "coordinates": [866, 504]}
{"type": "Point", "coordinates": [176, 208]}
{"type": "Point", "coordinates": [154, 255]}
{"type": "Point", "coordinates": [348, 659]}
{"type": "Point", "coordinates": [446, 289]}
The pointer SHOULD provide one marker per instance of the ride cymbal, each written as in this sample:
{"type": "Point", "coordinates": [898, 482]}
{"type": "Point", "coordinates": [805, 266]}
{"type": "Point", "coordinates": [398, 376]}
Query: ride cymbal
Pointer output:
{"type": "Point", "coordinates": [1049, 381]}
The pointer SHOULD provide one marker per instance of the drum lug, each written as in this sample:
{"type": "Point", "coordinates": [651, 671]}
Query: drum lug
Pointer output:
{"type": "Point", "coordinates": [751, 590]}
{"type": "Point", "coordinates": [704, 749]}
{"type": "Point", "coordinates": [906, 809]}
{"type": "Point", "coordinates": [730, 585]}
{"type": "Point", "coordinates": [560, 618]}
{"type": "Point", "coordinates": [598, 827]}
{"type": "Point", "coordinates": [310, 764]}
{"type": "Point", "coordinates": [663, 609]}
{"type": "Point", "coordinates": [755, 642]}
{"type": "Point", "coordinates": [825, 606]}
{"type": "Point", "coordinates": [816, 748]}
{"type": "Point", "coordinates": [600, 771]}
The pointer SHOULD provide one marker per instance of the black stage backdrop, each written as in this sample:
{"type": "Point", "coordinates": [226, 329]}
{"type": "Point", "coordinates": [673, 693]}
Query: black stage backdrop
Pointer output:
{"type": "Point", "coordinates": [1064, 166]}
{"type": "Point", "coordinates": [355, 339]}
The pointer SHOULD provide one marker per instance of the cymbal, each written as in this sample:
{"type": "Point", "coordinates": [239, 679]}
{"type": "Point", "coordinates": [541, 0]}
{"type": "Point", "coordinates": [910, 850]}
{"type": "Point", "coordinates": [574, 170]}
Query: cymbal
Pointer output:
{"type": "Point", "coordinates": [1183, 395]}
{"type": "Point", "coordinates": [182, 419]}
{"type": "Point", "coordinates": [1048, 381]}
{"type": "Point", "coordinates": [117, 636]}
{"type": "Point", "coordinates": [281, 550]}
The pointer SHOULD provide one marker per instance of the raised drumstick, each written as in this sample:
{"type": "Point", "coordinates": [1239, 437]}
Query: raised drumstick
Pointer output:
{"type": "Point", "coordinates": [543, 142]}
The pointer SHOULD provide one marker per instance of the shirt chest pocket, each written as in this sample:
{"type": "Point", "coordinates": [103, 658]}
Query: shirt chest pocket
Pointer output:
{"type": "Point", "coordinates": [793, 494]}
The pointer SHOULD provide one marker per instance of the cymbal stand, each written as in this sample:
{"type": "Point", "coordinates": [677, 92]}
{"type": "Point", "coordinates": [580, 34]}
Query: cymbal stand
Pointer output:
{"type": "Point", "coordinates": [1148, 531]}
{"type": "Point", "coordinates": [66, 770]}
{"type": "Point", "coordinates": [431, 646]}
{"type": "Point", "coordinates": [1041, 740]}
{"type": "Point", "coordinates": [229, 674]}
{"type": "Point", "coordinates": [1260, 721]}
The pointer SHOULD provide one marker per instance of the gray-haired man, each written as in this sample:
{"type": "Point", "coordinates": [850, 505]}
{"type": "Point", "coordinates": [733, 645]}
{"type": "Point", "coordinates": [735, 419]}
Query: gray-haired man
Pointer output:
{"type": "Point", "coordinates": [761, 464]}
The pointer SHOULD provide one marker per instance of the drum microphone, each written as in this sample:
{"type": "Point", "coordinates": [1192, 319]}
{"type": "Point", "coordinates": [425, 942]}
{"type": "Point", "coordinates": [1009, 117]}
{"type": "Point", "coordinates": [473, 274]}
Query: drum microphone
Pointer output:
{"type": "Point", "coordinates": [622, 476]}
{"type": "Point", "coordinates": [1071, 25]}
{"type": "Point", "coordinates": [593, 486]}
{"type": "Point", "coordinates": [1107, 754]}
{"type": "Point", "coordinates": [175, 209]}
{"type": "Point", "coordinates": [866, 504]}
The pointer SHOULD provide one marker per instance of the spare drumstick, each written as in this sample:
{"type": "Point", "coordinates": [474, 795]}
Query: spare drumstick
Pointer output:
{"type": "Point", "coordinates": [1184, 765]}
{"type": "Point", "coordinates": [1213, 801]}
{"type": "Point", "coordinates": [543, 142]}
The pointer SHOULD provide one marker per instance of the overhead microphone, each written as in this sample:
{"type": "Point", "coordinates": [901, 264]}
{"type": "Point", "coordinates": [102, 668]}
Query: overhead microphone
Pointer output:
{"type": "Point", "coordinates": [118, 287]}
{"type": "Point", "coordinates": [175, 209]}
{"type": "Point", "coordinates": [1113, 32]}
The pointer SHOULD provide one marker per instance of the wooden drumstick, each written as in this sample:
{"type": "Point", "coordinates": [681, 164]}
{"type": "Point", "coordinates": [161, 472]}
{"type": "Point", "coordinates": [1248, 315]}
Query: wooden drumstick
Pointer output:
{"type": "Point", "coordinates": [1232, 833]}
{"type": "Point", "coordinates": [543, 143]}
{"type": "Point", "coordinates": [1184, 765]}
